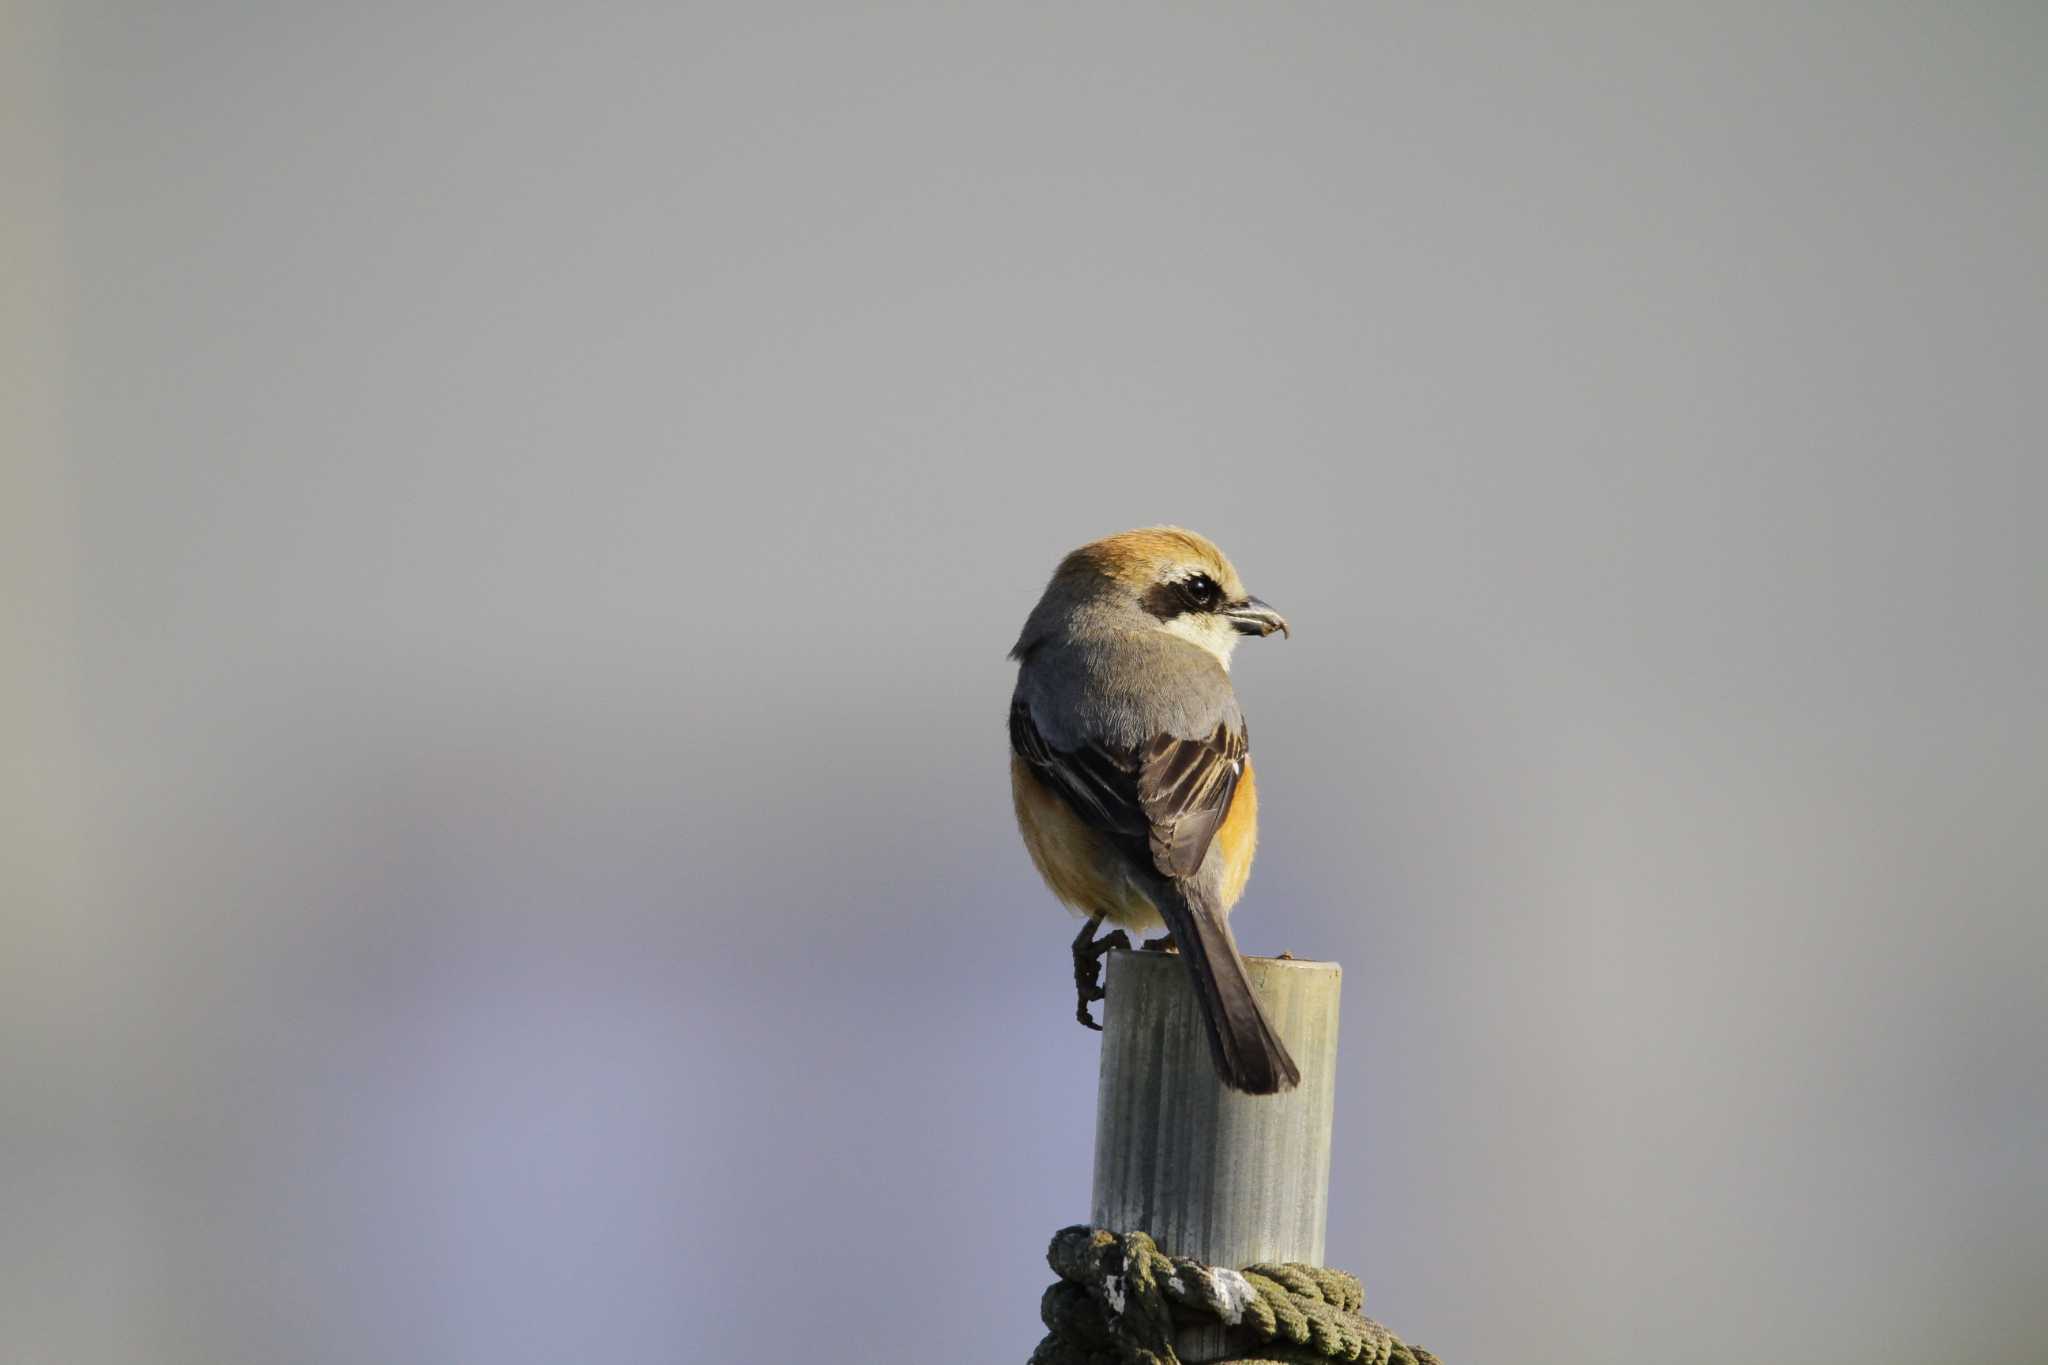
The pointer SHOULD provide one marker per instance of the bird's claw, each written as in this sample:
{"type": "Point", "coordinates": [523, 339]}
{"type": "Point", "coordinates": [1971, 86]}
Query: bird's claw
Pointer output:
{"type": "Point", "coordinates": [1088, 954]}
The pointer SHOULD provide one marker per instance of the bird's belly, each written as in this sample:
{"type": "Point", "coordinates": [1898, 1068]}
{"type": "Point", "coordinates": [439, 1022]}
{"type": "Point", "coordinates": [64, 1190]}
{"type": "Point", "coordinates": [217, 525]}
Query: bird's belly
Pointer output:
{"type": "Point", "coordinates": [1080, 866]}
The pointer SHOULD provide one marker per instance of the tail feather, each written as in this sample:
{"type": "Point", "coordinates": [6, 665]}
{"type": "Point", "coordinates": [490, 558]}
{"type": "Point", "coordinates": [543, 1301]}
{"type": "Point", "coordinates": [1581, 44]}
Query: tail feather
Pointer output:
{"type": "Point", "coordinates": [1249, 1055]}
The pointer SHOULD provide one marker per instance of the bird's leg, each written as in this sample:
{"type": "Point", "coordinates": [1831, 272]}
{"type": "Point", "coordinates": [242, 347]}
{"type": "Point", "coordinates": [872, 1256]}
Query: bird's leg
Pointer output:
{"type": "Point", "coordinates": [1088, 954]}
{"type": "Point", "coordinates": [1163, 944]}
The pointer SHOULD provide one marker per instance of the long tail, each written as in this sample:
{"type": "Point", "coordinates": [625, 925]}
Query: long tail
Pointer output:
{"type": "Point", "coordinates": [1248, 1053]}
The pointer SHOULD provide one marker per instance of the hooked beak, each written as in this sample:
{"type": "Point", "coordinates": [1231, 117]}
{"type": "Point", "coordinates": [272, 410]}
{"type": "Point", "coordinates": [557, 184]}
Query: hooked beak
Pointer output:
{"type": "Point", "coordinates": [1253, 617]}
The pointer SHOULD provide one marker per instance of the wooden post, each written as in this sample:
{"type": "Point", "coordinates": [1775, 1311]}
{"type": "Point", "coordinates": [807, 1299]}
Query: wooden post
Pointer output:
{"type": "Point", "coordinates": [1225, 1178]}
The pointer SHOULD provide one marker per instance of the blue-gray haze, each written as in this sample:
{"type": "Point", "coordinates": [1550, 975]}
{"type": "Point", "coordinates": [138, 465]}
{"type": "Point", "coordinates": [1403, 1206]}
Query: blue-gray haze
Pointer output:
{"type": "Point", "coordinates": [511, 520]}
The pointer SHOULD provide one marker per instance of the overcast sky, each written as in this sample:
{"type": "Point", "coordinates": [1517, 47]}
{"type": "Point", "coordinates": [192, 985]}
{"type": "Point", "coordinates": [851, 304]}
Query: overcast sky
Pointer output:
{"type": "Point", "coordinates": [516, 514]}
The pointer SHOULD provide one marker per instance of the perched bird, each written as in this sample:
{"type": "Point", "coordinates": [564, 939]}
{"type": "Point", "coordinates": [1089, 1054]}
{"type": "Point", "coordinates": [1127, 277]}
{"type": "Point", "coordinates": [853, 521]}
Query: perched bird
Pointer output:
{"type": "Point", "coordinates": [1131, 772]}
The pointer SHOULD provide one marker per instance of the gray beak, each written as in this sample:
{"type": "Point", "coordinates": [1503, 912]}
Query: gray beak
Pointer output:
{"type": "Point", "coordinates": [1253, 617]}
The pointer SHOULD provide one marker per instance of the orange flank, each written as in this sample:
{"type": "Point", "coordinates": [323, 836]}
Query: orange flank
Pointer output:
{"type": "Point", "coordinates": [1237, 838]}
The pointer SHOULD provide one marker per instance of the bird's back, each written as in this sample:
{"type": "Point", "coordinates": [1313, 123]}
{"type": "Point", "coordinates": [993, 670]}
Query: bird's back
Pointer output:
{"type": "Point", "coordinates": [1124, 690]}
{"type": "Point", "coordinates": [1121, 693]}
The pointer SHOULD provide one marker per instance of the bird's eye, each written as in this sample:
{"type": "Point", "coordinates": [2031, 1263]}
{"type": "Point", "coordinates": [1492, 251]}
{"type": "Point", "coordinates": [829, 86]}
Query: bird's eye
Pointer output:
{"type": "Point", "coordinates": [1201, 592]}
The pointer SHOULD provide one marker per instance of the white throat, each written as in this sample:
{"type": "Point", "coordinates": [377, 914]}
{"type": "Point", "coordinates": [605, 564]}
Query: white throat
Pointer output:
{"type": "Point", "coordinates": [1211, 633]}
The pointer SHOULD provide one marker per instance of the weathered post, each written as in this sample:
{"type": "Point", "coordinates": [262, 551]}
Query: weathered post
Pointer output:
{"type": "Point", "coordinates": [1225, 1178]}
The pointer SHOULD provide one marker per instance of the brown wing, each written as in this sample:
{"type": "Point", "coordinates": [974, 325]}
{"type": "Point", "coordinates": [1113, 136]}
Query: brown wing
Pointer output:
{"type": "Point", "coordinates": [1162, 800]}
{"type": "Point", "coordinates": [1185, 787]}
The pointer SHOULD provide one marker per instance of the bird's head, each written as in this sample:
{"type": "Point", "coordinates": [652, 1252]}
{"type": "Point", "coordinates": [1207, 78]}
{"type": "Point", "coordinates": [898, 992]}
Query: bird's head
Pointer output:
{"type": "Point", "coordinates": [1156, 578]}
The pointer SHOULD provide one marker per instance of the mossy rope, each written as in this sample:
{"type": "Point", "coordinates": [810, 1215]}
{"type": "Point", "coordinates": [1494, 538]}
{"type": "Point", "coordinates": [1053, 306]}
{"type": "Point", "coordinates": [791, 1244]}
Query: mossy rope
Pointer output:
{"type": "Point", "coordinates": [1119, 1301]}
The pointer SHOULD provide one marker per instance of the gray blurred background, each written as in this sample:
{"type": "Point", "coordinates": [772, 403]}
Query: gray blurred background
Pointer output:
{"type": "Point", "coordinates": [512, 518]}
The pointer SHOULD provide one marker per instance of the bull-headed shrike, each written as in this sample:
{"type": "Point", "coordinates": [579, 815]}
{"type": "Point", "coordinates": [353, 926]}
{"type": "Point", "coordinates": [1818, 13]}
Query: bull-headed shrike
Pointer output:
{"type": "Point", "coordinates": [1131, 772]}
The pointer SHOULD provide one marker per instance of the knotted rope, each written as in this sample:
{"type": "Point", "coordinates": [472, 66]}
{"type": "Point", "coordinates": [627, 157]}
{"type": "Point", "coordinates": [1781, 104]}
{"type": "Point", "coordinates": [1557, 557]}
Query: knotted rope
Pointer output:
{"type": "Point", "coordinates": [1119, 1301]}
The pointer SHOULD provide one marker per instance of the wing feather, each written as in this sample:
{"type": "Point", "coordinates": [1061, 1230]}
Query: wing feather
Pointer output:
{"type": "Point", "coordinates": [1185, 787]}
{"type": "Point", "coordinates": [1163, 800]}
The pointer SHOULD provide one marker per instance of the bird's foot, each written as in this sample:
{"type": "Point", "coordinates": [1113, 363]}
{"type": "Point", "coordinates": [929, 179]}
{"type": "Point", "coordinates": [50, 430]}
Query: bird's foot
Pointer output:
{"type": "Point", "coordinates": [1163, 944]}
{"type": "Point", "coordinates": [1088, 954]}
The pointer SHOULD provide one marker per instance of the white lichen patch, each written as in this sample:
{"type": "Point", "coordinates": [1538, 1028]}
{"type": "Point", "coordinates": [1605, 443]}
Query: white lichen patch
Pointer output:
{"type": "Point", "coordinates": [1234, 1294]}
{"type": "Point", "coordinates": [1113, 1290]}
